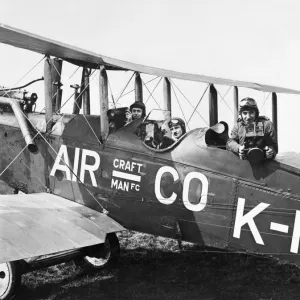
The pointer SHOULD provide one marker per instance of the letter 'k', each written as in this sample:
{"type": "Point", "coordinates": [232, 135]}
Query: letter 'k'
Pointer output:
{"type": "Point", "coordinates": [241, 220]}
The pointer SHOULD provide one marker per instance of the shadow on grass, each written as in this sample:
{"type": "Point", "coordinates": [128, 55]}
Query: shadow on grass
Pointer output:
{"type": "Point", "coordinates": [153, 268]}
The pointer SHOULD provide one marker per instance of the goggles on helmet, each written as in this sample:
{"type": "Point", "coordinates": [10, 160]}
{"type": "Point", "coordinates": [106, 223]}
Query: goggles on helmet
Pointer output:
{"type": "Point", "coordinates": [174, 122]}
{"type": "Point", "coordinates": [248, 103]}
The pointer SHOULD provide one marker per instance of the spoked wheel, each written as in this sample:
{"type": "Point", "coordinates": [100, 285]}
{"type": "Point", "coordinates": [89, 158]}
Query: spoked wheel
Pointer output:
{"type": "Point", "coordinates": [102, 256]}
{"type": "Point", "coordinates": [10, 280]}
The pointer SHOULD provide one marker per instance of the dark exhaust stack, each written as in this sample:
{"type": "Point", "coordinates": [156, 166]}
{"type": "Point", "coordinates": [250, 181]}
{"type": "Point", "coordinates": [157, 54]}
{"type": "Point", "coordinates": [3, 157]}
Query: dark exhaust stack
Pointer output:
{"type": "Point", "coordinates": [16, 107]}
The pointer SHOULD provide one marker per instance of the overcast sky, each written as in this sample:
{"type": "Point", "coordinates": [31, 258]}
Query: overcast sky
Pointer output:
{"type": "Point", "coordinates": [253, 40]}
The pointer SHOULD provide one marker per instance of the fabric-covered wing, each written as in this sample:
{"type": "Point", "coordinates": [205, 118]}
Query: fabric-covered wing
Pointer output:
{"type": "Point", "coordinates": [39, 44]}
{"type": "Point", "coordinates": [40, 224]}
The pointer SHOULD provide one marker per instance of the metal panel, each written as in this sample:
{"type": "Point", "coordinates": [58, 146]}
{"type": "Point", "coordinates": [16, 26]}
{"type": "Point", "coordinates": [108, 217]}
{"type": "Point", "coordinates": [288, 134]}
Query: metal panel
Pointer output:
{"type": "Point", "coordinates": [40, 224]}
{"type": "Point", "coordinates": [39, 44]}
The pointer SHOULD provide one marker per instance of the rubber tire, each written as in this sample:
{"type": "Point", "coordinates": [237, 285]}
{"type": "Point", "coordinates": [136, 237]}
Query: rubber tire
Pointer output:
{"type": "Point", "coordinates": [114, 254]}
{"type": "Point", "coordinates": [14, 281]}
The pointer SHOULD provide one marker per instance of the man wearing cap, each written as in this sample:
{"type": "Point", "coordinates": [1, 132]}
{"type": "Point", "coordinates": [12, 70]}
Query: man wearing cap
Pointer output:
{"type": "Point", "coordinates": [136, 111]}
{"type": "Point", "coordinates": [260, 128]}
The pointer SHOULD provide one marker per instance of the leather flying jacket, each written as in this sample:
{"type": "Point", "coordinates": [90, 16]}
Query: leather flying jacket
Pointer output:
{"type": "Point", "coordinates": [238, 135]}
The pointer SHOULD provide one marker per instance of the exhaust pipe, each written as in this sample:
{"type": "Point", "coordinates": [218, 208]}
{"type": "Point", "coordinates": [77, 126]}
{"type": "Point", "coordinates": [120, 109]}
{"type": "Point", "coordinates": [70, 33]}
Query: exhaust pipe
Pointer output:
{"type": "Point", "coordinates": [16, 107]}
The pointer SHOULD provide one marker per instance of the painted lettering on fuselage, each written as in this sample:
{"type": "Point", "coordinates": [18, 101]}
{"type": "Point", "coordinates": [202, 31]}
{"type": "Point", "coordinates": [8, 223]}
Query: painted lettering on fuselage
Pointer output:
{"type": "Point", "coordinates": [186, 188]}
{"type": "Point", "coordinates": [62, 163]}
{"type": "Point", "coordinates": [126, 175]}
{"type": "Point", "coordinates": [242, 219]}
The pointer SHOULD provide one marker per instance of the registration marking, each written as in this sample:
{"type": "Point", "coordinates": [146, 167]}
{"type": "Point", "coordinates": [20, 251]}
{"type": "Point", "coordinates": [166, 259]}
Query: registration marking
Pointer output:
{"type": "Point", "coordinates": [279, 227]}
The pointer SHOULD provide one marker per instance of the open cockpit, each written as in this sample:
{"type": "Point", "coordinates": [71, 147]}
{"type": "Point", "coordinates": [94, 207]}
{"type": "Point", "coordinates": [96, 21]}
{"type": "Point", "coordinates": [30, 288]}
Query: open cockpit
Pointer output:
{"type": "Point", "coordinates": [154, 131]}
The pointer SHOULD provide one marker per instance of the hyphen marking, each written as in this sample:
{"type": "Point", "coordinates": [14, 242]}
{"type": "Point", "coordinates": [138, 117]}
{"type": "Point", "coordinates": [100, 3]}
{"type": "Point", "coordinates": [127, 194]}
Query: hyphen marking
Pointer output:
{"type": "Point", "coordinates": [279, 227]}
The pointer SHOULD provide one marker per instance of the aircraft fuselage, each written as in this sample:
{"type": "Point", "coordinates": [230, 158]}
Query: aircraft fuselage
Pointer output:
{"type": "Point", "coordinates": [191, 192]}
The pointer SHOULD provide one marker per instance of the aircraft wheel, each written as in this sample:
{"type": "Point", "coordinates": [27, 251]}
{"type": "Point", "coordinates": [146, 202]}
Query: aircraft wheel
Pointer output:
{"type": "Point", "coordinates": [104, 255]}
{"type": "Point", "coordinates": [10, 279]}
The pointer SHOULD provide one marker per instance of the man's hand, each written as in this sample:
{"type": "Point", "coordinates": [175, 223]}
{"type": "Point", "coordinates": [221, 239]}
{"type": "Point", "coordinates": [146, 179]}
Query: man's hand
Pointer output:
{"type": "Point", "coordinates": [128, 116]}
{"type": "Point", "coordinates": [269, 152]}
{"type": "Point", "coordinates": [242, 153]}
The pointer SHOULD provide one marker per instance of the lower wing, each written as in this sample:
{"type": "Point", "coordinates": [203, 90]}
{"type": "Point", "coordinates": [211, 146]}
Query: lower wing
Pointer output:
{"type": "Point", "coordinates": [41, 224]}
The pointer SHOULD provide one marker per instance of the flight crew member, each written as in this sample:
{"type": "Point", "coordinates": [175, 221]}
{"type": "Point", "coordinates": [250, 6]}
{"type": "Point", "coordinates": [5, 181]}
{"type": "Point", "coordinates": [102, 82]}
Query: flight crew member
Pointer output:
{"type": "Point", "coordinates": [251, 124]}
{"type": "Point", "coordinates": [136, 111]}
{"type": "Point", "coordinates": [162, 141]}
{"type": "Point", "coordinates": [177, 127]}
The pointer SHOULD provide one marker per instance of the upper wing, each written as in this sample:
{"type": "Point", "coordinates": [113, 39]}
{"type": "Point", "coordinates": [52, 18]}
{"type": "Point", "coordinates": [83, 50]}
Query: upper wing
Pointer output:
{"type": "Point", "coordinates": [33, 42]}
{"type": "Point", "coordinates": [39, 224]}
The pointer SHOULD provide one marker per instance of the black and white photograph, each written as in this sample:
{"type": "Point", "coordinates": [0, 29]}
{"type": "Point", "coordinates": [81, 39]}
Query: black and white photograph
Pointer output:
{"type": "Point", "coordinates": [149, 150]}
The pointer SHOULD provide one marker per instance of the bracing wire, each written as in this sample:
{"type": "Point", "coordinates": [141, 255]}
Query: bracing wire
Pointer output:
{"type": "Point", "coordinates": [125, 87]}
{"type": "Point", "coordinates": [158, 105]}
{"type": "Point", "coordinates": [53, 65]}
{"type": "Point", "coordinates": [111, 93]}
{"type": "Point", "coordinates": [74, 73]}
{"type": "Point", "coordinates": [134, 89]}
{"type": "Point", "coordinates": [28, 167]}
{"type": "Point", "coordinates": [56, 91]}
{"type": "Point", "coordinates": [173, 83]}
{"type": "Point", "coordinates": [39, 133]}
{"type": "Point", "coordinates": [123, 95]}
{"type": "Point", "coordinates": [180, 106]}
{"type": "Point", "coordinates": [222, 97]}
{"type": "Point", "coordinates": [198, 105]}
{"type": "Point", "coordinates": [6, 93]}
{"type": "Point", "coordinates": [81, 92]}
{"type": "Point", "coordinates": [265, 101]}
{"type": "Point", "coordinates": [152, 92]}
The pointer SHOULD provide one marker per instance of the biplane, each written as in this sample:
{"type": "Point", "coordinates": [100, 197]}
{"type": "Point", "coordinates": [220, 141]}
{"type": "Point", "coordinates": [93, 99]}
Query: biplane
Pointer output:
{"type": "Point", "coordinates": [76, 180]}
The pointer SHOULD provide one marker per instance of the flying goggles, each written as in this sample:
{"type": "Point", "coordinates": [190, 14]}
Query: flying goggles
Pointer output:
{"type": "Point", "coordinates": [174, 122]}
{"type": "Point", "coordinates": [248, 103]}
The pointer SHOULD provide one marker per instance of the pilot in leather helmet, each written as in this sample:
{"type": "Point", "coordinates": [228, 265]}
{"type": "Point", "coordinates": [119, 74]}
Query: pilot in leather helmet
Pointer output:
{"type": "Point", "coordinates": [177, 127]}
{"type": "Point", "coordinates": [252, 132]}
{"type": "Point", "coordinates": [136, 111]}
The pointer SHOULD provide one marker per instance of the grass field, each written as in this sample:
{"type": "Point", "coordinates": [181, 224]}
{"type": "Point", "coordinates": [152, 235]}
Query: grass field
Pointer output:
{"type": "Point", "coordinates": [155, 268]}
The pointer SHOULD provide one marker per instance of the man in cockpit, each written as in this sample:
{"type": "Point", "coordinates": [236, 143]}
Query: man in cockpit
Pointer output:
{"type": "Point", "coordinates": [119, 117]}
{"type": "Point", "coordinates": [253, 131]}
{"type": "Point", "coordinates": [162, 140]}
{"type": "Point", "coordinates": [136, 111]}
{"type": "Point", "coordinates": [177, 127]}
